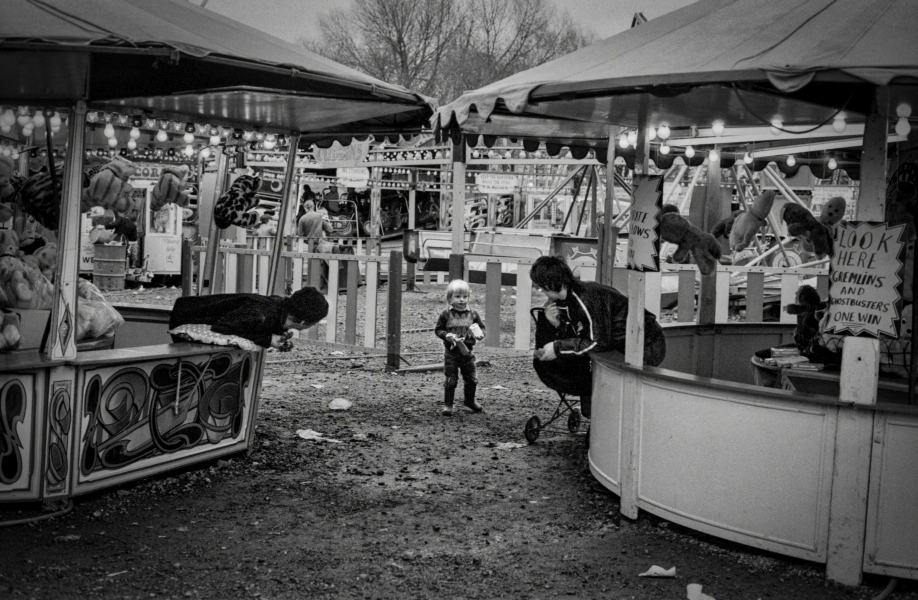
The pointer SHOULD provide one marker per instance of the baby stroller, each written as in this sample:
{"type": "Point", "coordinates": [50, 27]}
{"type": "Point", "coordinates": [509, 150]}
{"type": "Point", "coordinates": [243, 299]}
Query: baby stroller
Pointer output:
{"type": "Point", "coordinates": [567, 375]}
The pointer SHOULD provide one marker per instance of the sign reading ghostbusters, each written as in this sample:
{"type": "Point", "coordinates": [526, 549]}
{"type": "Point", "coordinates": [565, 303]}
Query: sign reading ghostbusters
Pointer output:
{"type": "Point", "coordinates": [355, 177]}
{"type": "Point", "coordinates": [644, 232]}
{"type": "Point", "coordinates": [495, 183]}
{"type": "Point", "coordinates": [864, 279]}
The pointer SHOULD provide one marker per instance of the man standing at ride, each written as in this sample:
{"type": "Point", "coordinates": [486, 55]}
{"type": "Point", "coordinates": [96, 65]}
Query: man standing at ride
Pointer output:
{"type": "Point", "coordinates": [313, 226]}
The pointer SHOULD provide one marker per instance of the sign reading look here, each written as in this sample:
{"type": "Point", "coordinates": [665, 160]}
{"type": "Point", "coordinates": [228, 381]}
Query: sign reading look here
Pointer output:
{"type": "Point", "coordinates": [644, 231]}
{"type": "Point", "coordinates": [864, 279]}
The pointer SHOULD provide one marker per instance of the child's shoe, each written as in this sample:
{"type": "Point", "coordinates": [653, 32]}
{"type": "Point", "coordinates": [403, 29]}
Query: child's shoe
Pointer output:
{"type": "Point", "coordinates": [470, 398]}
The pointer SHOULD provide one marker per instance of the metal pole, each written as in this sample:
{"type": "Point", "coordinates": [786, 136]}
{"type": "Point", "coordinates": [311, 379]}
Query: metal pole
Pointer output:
{"type": "Point", "coordinates": [548, 198]}
{"type": "Point", "coordinates": [283, 217]}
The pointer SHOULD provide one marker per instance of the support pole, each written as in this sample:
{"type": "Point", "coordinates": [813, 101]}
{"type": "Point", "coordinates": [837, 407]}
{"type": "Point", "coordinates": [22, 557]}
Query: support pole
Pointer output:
{"type": "Point", "coordinates": [394, 310]}
{"type": "Point", "coordinates": [594, 217]}
{"type": "Point", "coordinates": [548, 198]}
{"type": "Point", "coordinates": [214, 232]}
{"type": "Point", "coordinates": [458, 228]}
{"type": "Point", "coordinates": [609, 243]}
{"type": "Point", "coordinates": [287, 199]}
{"type": "Point", "coordinates": [61, 340]}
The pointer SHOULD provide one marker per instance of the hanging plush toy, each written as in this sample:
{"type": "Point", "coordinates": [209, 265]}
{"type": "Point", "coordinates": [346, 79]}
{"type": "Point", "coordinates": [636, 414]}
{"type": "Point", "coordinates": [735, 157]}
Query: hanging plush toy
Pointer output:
{"type": "Point", "coordinates": [41, 198]}
{"type": "Point", "coordinates": [833, 211]}
{"type": "Point", "coordinates": [21, 285]}
{"type": "Point", "coordinates": [109, 183]}
{"type": "Point", "coordinates": [808, 310]}
{"type": "Point", "coordinates": [6, 172]}
{"type": "Point", "coordinates": [723, 227]}
{"type": "Point", "coordinates": [801, 223]}
{"type": "Point", "coordinates": [749, 222]}
{"type": "Point", "coordinates": [239, 205]}
{"type": "Point", "coordinates": [170, 188]}
{"type": "Point", "coordinates": [44, 259]}
{"type": "Point", "coordinates": [9, 331]}
{"type": "Point", "coordinates": [689, 239]}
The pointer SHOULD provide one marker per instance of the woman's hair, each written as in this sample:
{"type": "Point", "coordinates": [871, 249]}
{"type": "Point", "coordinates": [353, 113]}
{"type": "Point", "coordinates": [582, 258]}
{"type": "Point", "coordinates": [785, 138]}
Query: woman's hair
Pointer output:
{"type": "Point", "coordinates": [456, 285]}
{"type": "Point", "coordinates": [552, 272]}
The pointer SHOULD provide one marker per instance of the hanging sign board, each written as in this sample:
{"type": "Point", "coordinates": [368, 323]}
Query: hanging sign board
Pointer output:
{"type": "Point", "coordinates": [644, 232]}
{"type": "Point", "coordinates": [344, 155]}
{"type": "Point", "coordinates": [864, 279]}
{"type": "Point", "coordinates": [495, 183]}
{"type": "Point", "coordinates": [355, 177]}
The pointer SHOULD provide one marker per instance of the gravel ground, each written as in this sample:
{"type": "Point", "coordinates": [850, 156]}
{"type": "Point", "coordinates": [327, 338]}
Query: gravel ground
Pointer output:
{"type": "Point", "coordinates": [405, 503]}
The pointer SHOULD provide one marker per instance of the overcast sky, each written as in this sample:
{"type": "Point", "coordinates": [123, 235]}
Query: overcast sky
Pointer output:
{"type": "Point", "coordinates": [294, 19]}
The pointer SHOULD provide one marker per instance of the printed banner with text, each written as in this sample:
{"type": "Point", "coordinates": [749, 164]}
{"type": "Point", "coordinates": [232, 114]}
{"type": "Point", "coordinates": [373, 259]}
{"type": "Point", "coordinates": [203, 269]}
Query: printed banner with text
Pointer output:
{"type": "Point", "coordinates": [865, 279]}
{"type": "Point", "coordinates": [644, 231]}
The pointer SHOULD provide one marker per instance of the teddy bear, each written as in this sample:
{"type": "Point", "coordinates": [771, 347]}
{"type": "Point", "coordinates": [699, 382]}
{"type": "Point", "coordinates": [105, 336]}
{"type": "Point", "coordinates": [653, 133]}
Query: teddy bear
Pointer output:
{"type": "Point", "coordinates": [801, 223]}
{"type": "Point", "coordinates": [44, 259]}
{"type": "Point", "coordinates": [723, 227]}
{"type": "Point", "coordinates": [833, 211]}
{"type": "Point", "coordinates": [170, 188]}
{"type": "Point", "coordinates": [10, 327]}
{"type": "Point", "coordinates": [239, 204]}
{"type": "Point", "coordinates": [107, 186]}
{"type": "Point", "coordinates": [7, 170]}
{"type": "Point", "coordinates": [808, 309]}
{"type": "Point", "coordinates": [21, 285]}
{"type": "Point", "coordinates": [748, 222]}
{"type": "Point", "coordinates": [689, 239]}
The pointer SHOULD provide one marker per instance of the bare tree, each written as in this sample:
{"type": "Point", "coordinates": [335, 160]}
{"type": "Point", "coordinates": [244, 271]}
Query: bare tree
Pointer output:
{"type": "Point", "coordinates": [444, 47]}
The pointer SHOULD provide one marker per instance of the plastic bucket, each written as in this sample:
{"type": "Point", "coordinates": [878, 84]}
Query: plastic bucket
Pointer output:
{"type": "Point", "coordinates": [109, 266]}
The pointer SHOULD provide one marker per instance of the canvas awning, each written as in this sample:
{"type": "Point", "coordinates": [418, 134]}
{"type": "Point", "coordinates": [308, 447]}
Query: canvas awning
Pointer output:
{"type": "Point", "coordinates": [183, 62]}
{"type": "Point", "coordinates": [742, 61]}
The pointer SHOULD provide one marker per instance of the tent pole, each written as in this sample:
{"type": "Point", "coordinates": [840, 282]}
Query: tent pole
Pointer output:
{"type": "Point", "coordinates": [570, 209]}
{"type": "Point", "coordinates": [548, 198]}
{"type": "Point", "coordinates": [61, 341]}
{"type": "Point", "coordinates": [214, 232]}
{"type": "Point", "coordinates": [286, 201]}
{"type": "Point", "coordinates": [585, 193]}
{"type": "Point", "coordinates": [610, 232]}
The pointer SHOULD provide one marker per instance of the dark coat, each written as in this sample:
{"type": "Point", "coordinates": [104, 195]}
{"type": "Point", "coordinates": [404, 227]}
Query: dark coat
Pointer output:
{"type": "Point", "coordinates": [250, 316]}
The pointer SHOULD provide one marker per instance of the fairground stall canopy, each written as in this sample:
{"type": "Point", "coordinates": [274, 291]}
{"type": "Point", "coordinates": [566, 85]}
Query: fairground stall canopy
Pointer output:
{"type": "Point", "coordinates": [184, 62]}
{"type": "Point", "coordinates": [81, 418]}
{"type": "Point", "coordinates": [825, 476]}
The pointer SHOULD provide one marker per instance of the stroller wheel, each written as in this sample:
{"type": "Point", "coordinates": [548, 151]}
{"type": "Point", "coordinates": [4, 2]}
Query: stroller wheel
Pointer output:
{"type": "Point", "coordinates": [573, 420]}
{"type": "Point", "coordinates": [532, 429]}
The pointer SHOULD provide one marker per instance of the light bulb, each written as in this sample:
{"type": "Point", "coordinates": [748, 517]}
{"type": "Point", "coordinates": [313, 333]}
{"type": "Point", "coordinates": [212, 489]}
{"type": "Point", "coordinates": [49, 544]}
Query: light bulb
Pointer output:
{"type": "Point", "coordinates": [112, 142]}
{"type": "Point", "coordinates": [838, 123]}
{"type": "Point", "coordinates": [689, 152]}
{"type": "Point", "coordinates": [39, 119]}
{"type": "Point", "coordinates": [791, 161]}
{"type": "Point", "coordinates": [4, 128]}
{"type": "Point", "coordinates": [6, 151]}
{"type": "Point", "coordinates": [55, 121]}
{"type": "Point", "coordinates": [833, 164]}
{"type": "Point", "coordinates": [109, 131]}
{"type": "Point", "coordinates": [664, 149]}
{"type": "Point", "coordinates": [205, 152]}
{"type": "Point", "coordinates": [713, 155]}
{"type": "Point", "coordinates": [747, 158]}
{"type": "Point", "coordinates": [632, 137]}
{"type": "Point", "coordinates": [269, 144]}
{"type": "Point", "coordinates": [189, 151]}
{"type": "Point", "coordinates": [188, 138]}
{"type": "Point", "coordinates": [132, 144]}
{"type": "Point", "coordinates": [663, 132]}
{"type": "Point", "coordinates": [717, 128]}
{"type": "Point", "coordinates": [24, 117]}
{"type": "Point", "coordinates": [27, 130]}
{"type": "Point", "coordinates": [623, 141]}
{"type": "Point", "coordinates": [215, 140]}
{"type": "Point", "coordinates": [135, 133]}
{"type": "Point", "coordinates": [161, 135]}
{"type": "Point", "coordinates": [776, 125]}
{"type": "Point", "coordinates": [651, 134]}
{"type": "Point", "coordinates": [903, 127]}
{"type": "Point", "coordinates": [8, 118]}
{"type": "Point", "coordinates": [14, 154]}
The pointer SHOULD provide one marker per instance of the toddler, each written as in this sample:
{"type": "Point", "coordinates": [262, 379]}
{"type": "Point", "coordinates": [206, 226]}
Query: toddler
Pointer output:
{"type": "Point", "coordinates": [459, 327]}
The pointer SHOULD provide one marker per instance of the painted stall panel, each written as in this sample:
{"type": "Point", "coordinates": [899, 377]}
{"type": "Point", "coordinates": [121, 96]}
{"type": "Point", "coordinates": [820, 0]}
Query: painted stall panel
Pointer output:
{"type": "Point", "coordinates": [143, 417]}
{"type": "Point", "coordinates": [606, 427]}
{"type": "Point", "coordinates": [21, 435]}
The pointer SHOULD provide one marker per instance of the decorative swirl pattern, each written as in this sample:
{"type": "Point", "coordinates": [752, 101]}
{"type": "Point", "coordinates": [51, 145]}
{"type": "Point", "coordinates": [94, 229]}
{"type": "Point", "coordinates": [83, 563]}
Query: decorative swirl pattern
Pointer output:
{"type": "Point", "coordinates": [12, 412]}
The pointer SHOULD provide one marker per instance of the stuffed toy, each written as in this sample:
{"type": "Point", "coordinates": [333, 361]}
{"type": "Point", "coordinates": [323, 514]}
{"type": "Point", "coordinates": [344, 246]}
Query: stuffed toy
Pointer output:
{"type": "Point", "coordinates": [239, 205]}
{"type": "Point", "coordinates": [7, 190]}
{"type": "Point", "coordinates": [125, 202]}
{"type": "Point", "coordinates": [833, 211]}
{"type": "Point", "coordinates": [6, 213]}
{"type": "Point", "coordinates": [170, 188]}
{"type": "Point", "coordinates": [689, 239]}
{"type": "Point", "coordinates": [748, 222]}
{"type": "Point", "coordinates": [21, 285]}
{"type": "Point", "coordinates": [106, 186]}
{"type": "Point", "coordinates": [42, 199]}
{"type": "Point", "coordinates": [808, 309]}
{"type": "Point", "coordinates": [723, 227]}
{"type": "Point", "coordinates": [801, 223]}
{"type": "Point", "coordinates": [10, 328]}
{"type": "Point", "coordinates": [44, 259]}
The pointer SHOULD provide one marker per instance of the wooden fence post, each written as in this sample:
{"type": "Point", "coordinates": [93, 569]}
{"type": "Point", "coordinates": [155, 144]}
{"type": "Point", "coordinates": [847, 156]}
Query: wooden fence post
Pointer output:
{"type": "Point", "coordinates": [394, 318]}
{"type": "Point", "coordinates": [187, 267]}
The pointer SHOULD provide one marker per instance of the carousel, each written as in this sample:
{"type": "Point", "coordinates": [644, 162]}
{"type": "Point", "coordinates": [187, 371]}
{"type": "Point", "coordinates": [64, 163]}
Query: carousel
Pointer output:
{"type": "Point", "coordinates": [85, 407]}
{"type": "Point", "coordinates": [825, 475]}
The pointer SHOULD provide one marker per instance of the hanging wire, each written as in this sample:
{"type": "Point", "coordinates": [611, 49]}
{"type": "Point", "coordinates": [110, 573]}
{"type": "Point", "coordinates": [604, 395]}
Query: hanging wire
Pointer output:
{"type": "Point", "coordinates": [767, 122]}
